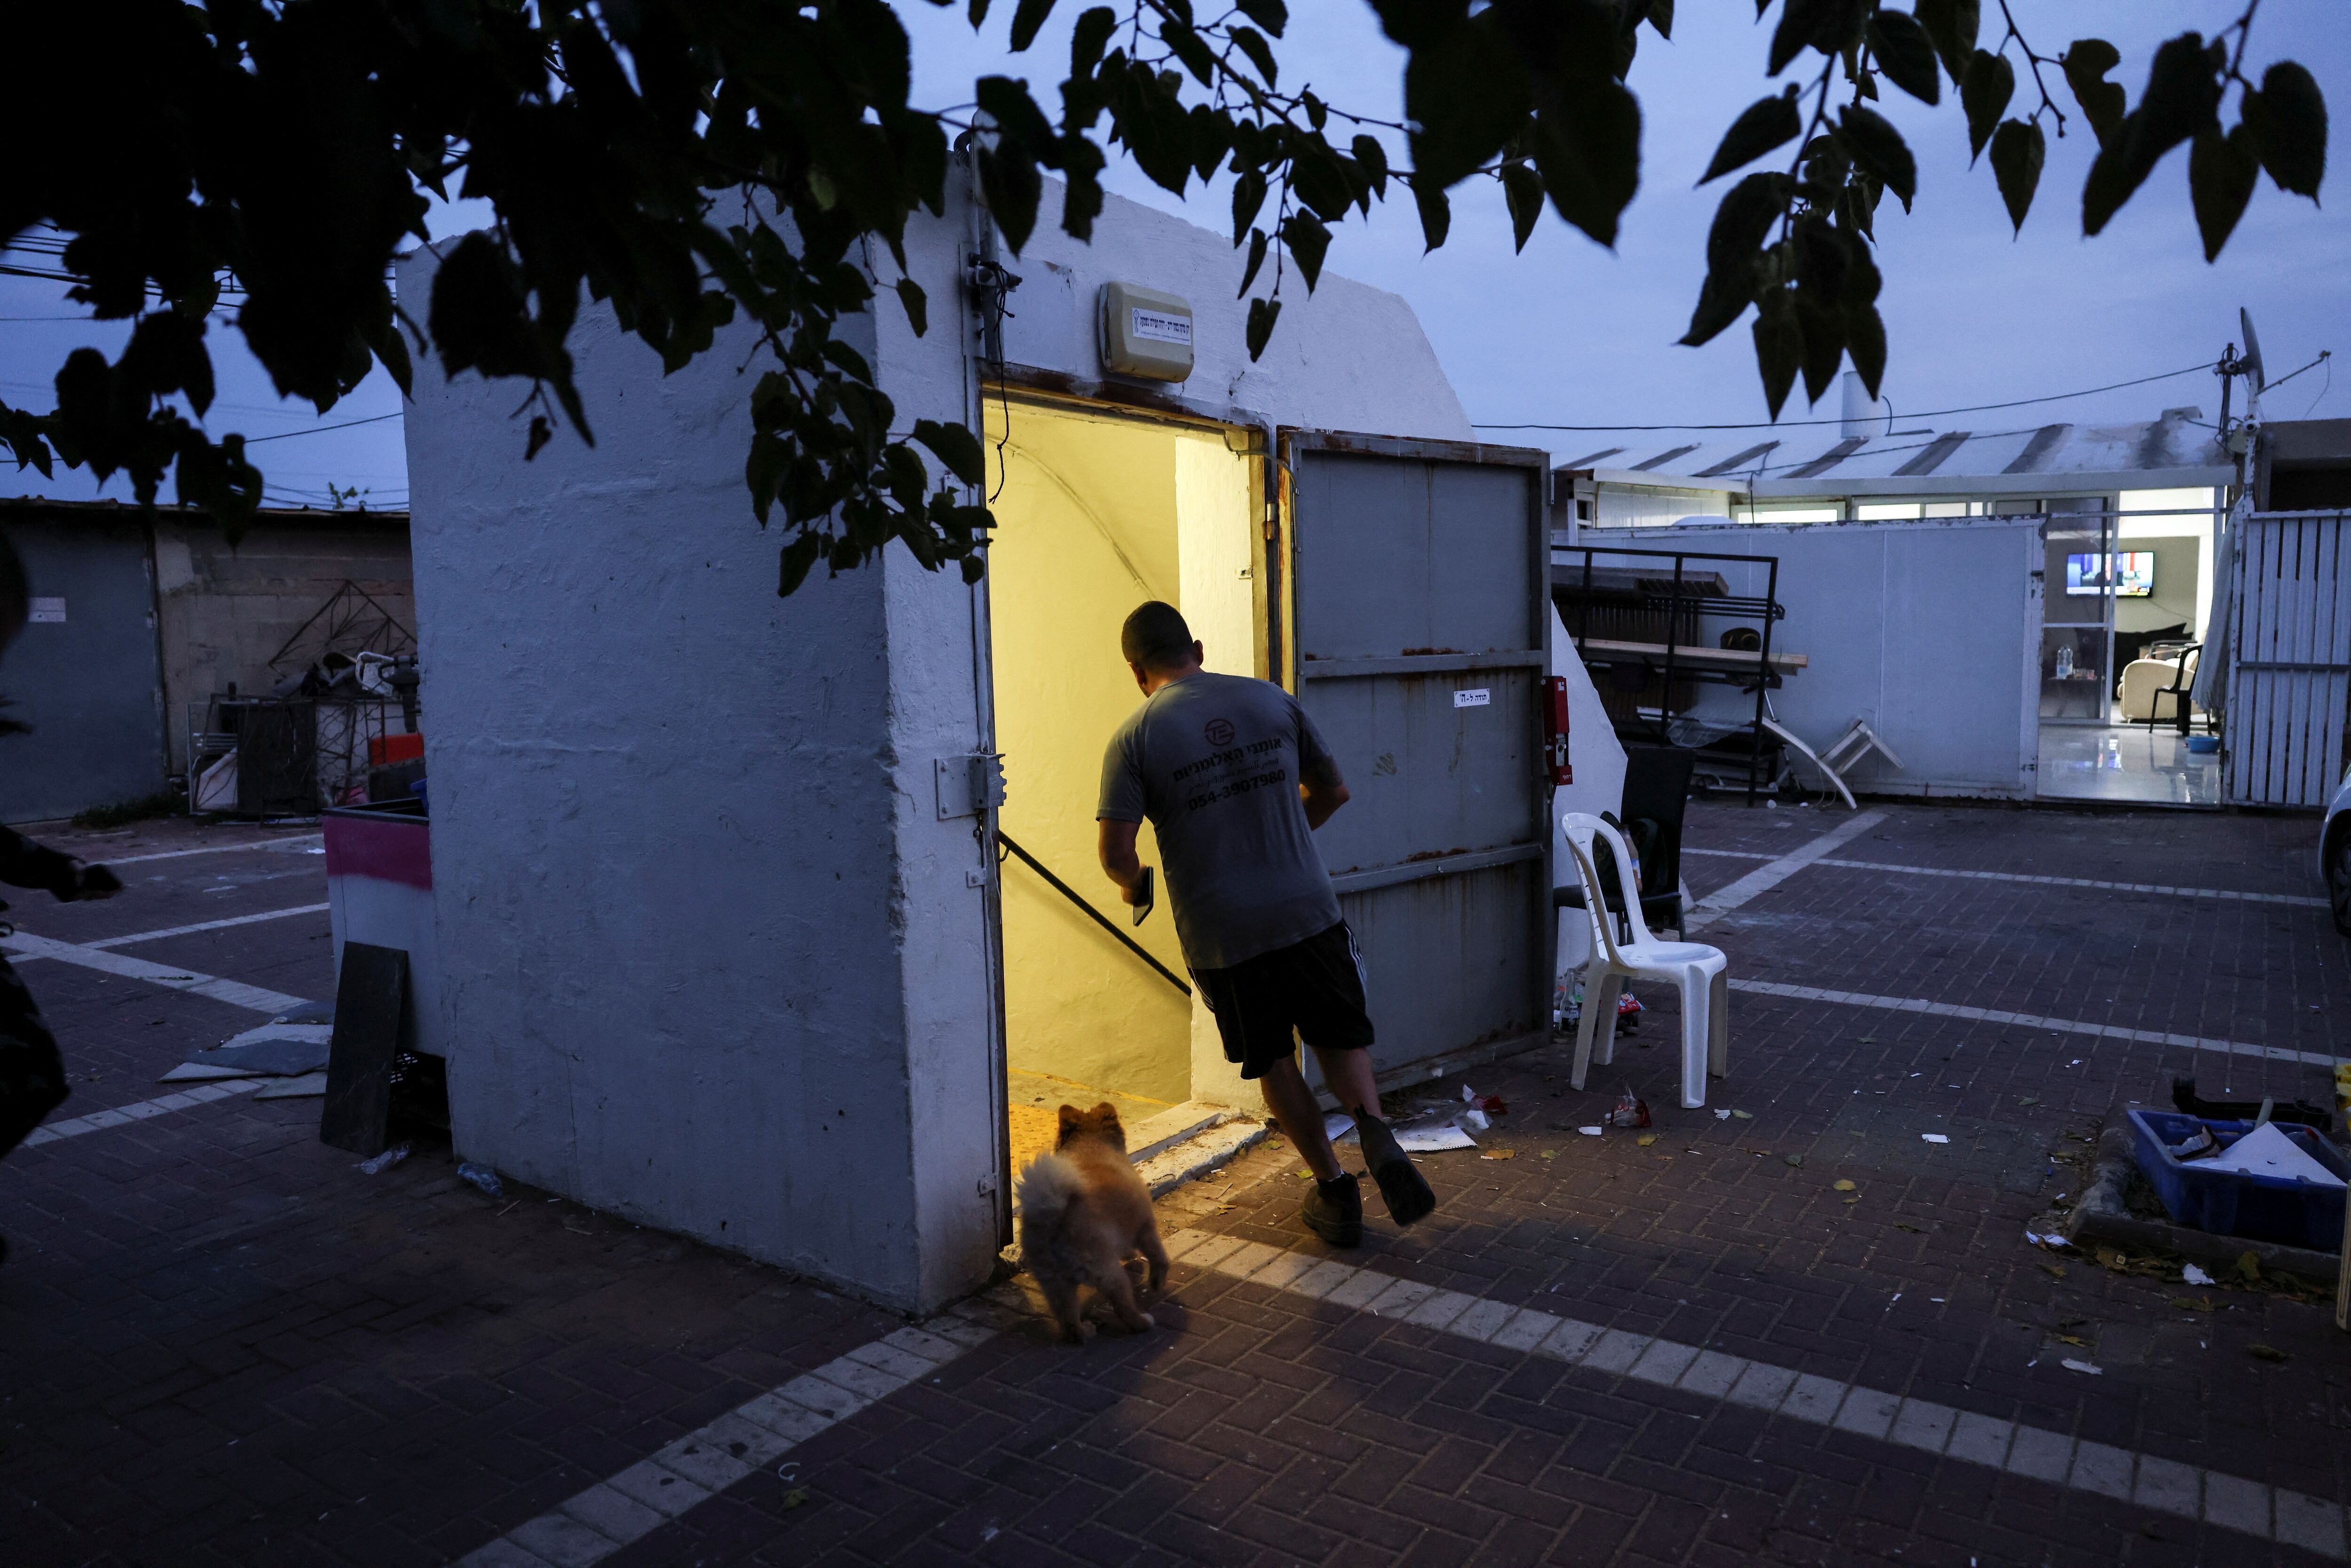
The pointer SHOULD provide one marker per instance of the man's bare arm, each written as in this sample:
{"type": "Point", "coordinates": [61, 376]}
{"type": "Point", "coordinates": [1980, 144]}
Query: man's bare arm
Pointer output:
{"type": "Point", "coordinates": [1115, 843]}
{"type": "Point", "coordinates": [1321, 792]}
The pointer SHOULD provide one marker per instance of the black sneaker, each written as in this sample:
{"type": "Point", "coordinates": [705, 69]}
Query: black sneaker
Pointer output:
{"type": "Point", "coordinates": [1406, 1190]}
{"type": "Point", "coordinates": [1334, 1210]}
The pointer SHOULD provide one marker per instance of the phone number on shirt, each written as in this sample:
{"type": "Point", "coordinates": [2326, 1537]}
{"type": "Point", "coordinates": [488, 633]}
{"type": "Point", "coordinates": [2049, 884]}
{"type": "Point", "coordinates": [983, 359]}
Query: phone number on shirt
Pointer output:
{"type": "Point", "coordinates": [1238, 787]}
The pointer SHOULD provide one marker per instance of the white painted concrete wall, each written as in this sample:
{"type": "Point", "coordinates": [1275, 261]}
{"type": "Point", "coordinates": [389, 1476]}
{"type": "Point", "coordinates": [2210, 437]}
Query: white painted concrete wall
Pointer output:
{"type": "Point", "coordinates": [710, 959]}
{"type": "Point", "coordinates": [1349, 357]}
{"type": "Point", "coordinates": [1928, 630]}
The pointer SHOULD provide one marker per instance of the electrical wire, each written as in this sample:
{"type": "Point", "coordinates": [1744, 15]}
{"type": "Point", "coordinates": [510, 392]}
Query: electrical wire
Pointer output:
{"type": "Point", "coordinates": [321, 430]}
{"type": "Point", "coordinates": [1797, 424]}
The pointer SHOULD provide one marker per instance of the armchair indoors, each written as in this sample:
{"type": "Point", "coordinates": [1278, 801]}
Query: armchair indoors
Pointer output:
{"type": "Point", "coordinates": [2156, 690]}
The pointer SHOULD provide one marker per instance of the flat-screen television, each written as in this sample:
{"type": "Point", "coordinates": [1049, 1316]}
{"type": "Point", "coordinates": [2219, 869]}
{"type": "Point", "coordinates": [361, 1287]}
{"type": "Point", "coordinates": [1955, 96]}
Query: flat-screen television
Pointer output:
{"type": "Point", "coordinates": [2130, 573]}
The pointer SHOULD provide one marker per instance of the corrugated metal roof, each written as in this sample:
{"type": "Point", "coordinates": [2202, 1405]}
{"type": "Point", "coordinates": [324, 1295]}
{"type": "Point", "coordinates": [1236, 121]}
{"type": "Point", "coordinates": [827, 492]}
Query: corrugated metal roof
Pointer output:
{"type": "Point", "coordinates": [2178, 448]}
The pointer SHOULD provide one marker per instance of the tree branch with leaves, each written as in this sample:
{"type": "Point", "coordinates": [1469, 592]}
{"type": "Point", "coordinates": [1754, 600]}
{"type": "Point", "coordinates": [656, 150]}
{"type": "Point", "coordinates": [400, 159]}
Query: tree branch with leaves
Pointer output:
{"type": "Point", "coordinates": [691, 164]}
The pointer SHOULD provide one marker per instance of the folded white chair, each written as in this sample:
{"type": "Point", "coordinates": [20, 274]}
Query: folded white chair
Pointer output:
{"type": "Point", "coordinates": [1700, 973]}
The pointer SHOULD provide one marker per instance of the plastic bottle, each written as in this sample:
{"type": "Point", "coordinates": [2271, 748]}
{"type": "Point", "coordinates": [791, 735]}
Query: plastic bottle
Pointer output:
{"type": "Point", "coordinates": [2065, 663]}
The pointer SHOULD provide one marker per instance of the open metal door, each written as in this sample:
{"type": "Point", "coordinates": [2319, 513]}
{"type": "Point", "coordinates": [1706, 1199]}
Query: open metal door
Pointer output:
{"type": "Point", "coordinates": [1420, 632]}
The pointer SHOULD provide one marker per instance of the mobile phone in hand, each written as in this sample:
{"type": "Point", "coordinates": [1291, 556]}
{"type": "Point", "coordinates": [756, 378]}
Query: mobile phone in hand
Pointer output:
{"type": "Point", "coordinates": [1146, 892]}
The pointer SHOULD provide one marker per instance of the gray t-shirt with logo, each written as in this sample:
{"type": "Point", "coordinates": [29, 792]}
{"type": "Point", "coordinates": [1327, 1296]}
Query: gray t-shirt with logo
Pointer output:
{"type": "Point", "coordinates": [1214, 762]}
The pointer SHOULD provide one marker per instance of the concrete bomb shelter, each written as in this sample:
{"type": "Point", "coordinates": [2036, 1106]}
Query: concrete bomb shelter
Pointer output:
{"type": "Point", "coordinates": [731, 939]}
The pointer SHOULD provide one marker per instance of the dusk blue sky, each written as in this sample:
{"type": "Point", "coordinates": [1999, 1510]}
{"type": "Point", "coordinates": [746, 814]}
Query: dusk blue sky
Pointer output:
{"type": "Point", "coordinates": [1571, 333]}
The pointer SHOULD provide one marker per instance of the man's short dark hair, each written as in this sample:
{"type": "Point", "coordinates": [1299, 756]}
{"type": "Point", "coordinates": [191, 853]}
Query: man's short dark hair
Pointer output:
{"type": "Point", "coordinates": [1155, 637]}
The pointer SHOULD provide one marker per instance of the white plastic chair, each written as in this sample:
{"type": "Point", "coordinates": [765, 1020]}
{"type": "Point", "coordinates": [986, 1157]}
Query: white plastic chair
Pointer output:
{"type": "Point", "coordinates": [1701, 973]}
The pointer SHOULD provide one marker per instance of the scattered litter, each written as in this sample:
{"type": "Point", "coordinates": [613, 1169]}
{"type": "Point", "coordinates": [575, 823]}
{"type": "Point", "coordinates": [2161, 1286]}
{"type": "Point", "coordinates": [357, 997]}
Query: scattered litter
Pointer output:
{"type": "Point", "coordinates": [1645, 1139]}
{"type": "Point", "coordinates": [2046, 1237]}
{"type": "Point", "coordinates": [798, 1496]}
{"type": "Point", "coordinates": [386, 1160]}
{"type": "Point", "coordinates": [1551, 1154]}
{"type": "Point", "coordinates": [1302, 1175]}
{"type": "Point", "coordinates": [481, 1176]}
{"type": "Point", "coordinates": [1913, 1229]}
{"type": "Point", "coordinates": [1500, 1155]}
{"type": "Point", "coordinates": [2191, 1275]}
{"type": "Point", "coordinates": [2197, 1144]}
{"type": "Point", "coordinates": [1434, 1140]}
{"type": "Point", "coordinates": [1793, 1159]}
{"type": "Point", "coordinates": [1841, 1185]}
{"type": "Point", "coordinates": [2193, 1304]}
{"type": "Point", "coordinates": [2075, 1062]}
{"type": "Point", "coordinates": [308, 1086]}
{"type": "Point", "coordinates": [1590, 1132]}
{"type": "Point", "coordinates": [1936, 1137]}
{"type": "Point", "coordinates": [1492, 1104]}
{"type": "Point", "coordinates": [2266, 1353]}
{"type": "Point", "coordinates": [2248, 1266]}
{"type": "Point", "coordinates": [1474, 1119]}
{"type": "Point", "coordinates": [2070, 1364]}
{"type": "Point", "coordinates": [1722, 1116]}
{"type": "Point", "coordinates": [1338, 1126]}
{"type": "Point", "coordinates": [2055, 1270]}
{"type": "Point", "coordinates": [1744, 1115]}
{"type": "Point", "coordinates": [1631, 1111]}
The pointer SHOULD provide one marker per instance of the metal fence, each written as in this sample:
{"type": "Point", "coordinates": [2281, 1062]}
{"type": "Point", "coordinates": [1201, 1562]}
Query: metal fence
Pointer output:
{"type": "Point", "coordinates": [2290, 657]}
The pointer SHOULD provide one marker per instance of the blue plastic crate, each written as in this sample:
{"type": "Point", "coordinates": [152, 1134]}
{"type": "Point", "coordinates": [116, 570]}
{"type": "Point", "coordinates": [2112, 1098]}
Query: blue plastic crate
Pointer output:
{"type": "Point", "coordinates": [2232, 1203]}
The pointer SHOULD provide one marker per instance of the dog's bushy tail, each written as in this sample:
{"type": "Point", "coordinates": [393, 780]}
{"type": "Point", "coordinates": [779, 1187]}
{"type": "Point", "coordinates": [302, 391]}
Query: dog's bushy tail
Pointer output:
{"type": "Point", "coordinates": [1044, 1192]}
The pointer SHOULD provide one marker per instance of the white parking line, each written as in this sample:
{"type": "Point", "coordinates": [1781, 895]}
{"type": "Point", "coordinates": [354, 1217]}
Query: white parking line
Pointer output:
{"type": "Point", "coordinates": [2295, 900]}
{"type": "Point", "coordinates": [1765, 878]}
{"type": "Point", "coordinates": [301, 841]}
{"type": "Point", "coordinates": [207, 925]}
{"type": "Point", "coordinates": [97, 1121]}
{"type": "Point", "coordinates": [633, 1504]}
{"type": "Point", "coordinates": [236, 993]}
{"type": "Point", "coordinates": [2028, 1020]}
{"type": "Point", "coordinates": [2159, 1485]}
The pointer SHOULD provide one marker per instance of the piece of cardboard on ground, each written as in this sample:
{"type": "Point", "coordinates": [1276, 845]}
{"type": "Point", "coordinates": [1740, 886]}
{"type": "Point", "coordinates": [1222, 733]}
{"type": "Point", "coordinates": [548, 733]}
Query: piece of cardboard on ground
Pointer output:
{"type": "Point", "coordinates": [370, 999]}
{"type": "Point", "coordinates": [308, 1085]}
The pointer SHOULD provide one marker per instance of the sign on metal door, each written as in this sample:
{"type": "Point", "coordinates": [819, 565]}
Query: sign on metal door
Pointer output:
{"type": "Point", "coordinates": [2290, 658]}
{"type": "Point", "coordinates": [1423, 635]}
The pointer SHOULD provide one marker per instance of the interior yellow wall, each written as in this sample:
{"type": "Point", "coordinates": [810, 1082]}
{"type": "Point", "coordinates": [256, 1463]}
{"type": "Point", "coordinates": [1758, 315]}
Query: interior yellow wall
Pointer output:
{"type": "Point", "coordinates": [1088, 517]}
{"type": "Point", "coordinates": [1218, 553]}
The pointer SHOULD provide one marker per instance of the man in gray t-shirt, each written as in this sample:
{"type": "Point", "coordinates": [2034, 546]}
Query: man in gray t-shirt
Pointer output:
{"type": "Point", "coordinates": [1234, 778]}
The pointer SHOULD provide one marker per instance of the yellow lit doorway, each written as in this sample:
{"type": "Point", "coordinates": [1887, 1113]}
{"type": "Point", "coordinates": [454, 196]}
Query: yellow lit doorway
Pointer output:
{"type": "Point", "coordinates": [1098, 511]}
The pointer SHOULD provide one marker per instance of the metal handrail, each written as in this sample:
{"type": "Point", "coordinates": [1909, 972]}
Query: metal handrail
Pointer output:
{"type": "Point", "coordinates": [1066, 891]}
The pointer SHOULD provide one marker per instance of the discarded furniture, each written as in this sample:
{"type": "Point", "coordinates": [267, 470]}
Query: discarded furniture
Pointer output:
{"type": "Point", "coordinates": [1857, 742]}
{"type": "Point", "coordinates": [1701, 974]}
{"type": "Point", "coordinates": [1653, 626]}
{"type": "Point", "coordinates": [2211, 1197]}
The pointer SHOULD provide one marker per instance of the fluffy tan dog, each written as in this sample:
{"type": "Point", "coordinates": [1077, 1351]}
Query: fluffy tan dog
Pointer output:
{"type": "Point", "coordinates": [1083, 1213]}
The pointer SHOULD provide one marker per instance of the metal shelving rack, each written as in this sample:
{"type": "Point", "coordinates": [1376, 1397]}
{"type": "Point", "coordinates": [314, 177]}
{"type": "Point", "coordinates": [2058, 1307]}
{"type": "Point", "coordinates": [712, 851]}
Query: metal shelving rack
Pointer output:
{"type": "Point", "coordinates": [1685, 601]}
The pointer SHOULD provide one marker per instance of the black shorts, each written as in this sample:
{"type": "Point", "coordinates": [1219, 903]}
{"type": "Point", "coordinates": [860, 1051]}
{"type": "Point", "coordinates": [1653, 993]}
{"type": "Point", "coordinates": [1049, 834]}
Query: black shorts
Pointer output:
{"type": "Point", "coordinates": [1314, 986]}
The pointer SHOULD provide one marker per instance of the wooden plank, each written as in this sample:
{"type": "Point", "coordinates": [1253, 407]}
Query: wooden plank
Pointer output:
{"type": "Point", "coordinates": [1741, 659]}
{"type": "Point", "coordinates": [371, 996]}
{"type": "Point", "coordinates": [2334, 646]}
{"type": "Point", "coordinates": [2270, 744]}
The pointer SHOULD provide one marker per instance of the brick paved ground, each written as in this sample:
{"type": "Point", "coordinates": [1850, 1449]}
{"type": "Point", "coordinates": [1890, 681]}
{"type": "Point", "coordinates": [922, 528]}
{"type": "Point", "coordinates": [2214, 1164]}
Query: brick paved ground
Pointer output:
{"type": "Point", "coordinates": [225, 1345]}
